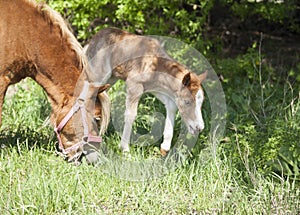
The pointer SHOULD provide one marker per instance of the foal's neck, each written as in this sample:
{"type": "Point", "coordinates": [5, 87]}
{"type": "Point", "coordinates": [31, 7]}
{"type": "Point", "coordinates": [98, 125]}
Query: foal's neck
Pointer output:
{"type": "Point", "coordinates": [169, 78]}
{"type": "Point", "coordinates": [171, 67]}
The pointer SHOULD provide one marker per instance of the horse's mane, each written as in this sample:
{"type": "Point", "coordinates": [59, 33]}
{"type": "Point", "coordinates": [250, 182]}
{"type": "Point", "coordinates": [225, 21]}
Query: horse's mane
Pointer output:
{"type": "Point", "coordinates": [55, 19]}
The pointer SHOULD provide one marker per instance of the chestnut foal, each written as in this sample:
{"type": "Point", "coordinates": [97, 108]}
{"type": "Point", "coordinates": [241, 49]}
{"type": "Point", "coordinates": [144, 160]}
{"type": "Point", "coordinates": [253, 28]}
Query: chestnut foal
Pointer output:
{"type": "Point", "coordinates": [145, 67]}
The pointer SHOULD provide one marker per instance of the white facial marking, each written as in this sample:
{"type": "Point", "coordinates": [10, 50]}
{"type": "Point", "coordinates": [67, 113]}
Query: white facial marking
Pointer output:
{"type": "Point", "coordinates": [198, 113]}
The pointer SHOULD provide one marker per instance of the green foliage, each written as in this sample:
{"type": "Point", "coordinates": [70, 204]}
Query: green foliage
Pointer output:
{"type": "Point", "coordinates": [264, 116]}
{"type": "Point", "coordinates": [182, 19]}
{"type": "Point", "coordinates": [86, 17]}
{"type": "Point", "coordinates": [284, 12]}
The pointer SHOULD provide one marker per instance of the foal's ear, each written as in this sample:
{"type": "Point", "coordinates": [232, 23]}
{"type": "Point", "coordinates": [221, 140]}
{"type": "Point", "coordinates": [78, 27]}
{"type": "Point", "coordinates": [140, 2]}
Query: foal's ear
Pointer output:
{"type": "Point", "coordinates": [202, 76]}
{"type": "Point", "coordinates": [186, 81]}
{"type": "Point", "coordinates": [103, 87]}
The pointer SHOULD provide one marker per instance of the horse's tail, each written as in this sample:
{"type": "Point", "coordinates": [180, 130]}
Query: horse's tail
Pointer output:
{"type": "Point", "coordinates": [105, 111]}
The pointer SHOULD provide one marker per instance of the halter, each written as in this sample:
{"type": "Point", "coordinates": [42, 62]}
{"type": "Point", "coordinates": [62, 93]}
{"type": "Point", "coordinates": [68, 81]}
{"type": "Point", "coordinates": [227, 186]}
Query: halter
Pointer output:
{"type": "Point", "coordinates": [87, 137]}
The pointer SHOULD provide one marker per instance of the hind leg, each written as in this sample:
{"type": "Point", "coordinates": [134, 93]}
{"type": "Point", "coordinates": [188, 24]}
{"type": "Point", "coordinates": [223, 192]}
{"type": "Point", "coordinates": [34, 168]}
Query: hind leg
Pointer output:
{"type": "Point", "coordinates": [134, 92]}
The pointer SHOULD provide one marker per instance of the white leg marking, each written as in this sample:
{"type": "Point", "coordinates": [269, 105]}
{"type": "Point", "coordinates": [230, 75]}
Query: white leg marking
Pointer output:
{"type": "Point", "coordinates": [198, 113]}
{"type": "Point", "coordinates": [171, 109]}
{"type": "Point", "coordinates": [169, 128]}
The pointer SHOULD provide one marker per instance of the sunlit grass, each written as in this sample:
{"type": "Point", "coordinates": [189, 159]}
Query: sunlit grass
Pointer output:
{"type": "Point", "coordinates": [34, 180]}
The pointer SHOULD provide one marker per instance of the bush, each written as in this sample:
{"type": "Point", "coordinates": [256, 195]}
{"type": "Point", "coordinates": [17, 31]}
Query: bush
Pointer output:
{"type": "Point", "coordinates": [182, 19]}
{"type": "Point", "coordinates": [264, 116]}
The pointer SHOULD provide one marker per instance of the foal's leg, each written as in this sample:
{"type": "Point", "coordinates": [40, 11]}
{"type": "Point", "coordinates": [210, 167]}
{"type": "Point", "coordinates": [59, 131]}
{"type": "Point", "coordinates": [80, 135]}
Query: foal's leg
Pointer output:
{"type": "Point", "coordinates": [134, 93]}
{"type": "Point", "coordinates": [171, 109]}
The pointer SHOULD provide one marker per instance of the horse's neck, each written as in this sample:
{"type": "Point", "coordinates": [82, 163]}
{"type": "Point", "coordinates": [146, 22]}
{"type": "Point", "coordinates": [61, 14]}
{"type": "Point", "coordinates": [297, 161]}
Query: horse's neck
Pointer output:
{"type": "Point", "coordinates": [61, 93]}
{"type": "Point", "coordinates": [55, 53]}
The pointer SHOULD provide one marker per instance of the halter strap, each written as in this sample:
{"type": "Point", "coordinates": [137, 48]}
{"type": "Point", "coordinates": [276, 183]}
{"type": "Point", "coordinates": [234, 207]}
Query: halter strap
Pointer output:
{"type": "Point", "coordinates": [87, 137]}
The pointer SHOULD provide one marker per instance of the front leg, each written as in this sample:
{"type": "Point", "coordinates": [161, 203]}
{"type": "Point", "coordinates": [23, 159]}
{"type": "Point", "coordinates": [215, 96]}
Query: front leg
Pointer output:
{"type": "Point", "coordinates": [171, 109]}
{"type": "Point", "coordinates": [134, 92]}
{"type": "Point", "coordinates": [169, 128]}
{"type": "Point", "coordinates": [4, 83]}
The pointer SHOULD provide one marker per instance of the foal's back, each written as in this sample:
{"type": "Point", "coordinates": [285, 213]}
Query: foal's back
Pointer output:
{"type": "Point", "coordinates": [121, 53]}
{"type": "Point", "coordinates": [113, 38]}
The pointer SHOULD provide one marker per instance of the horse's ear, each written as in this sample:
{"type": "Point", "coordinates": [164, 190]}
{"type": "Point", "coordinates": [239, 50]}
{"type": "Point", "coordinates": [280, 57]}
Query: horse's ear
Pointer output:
{"type": "Point", "coordinates": [94, 90]}
{"type": "Point", "coordinates": [203, 76]}
{"type": "Point", "coordinates": [186, 81]}
{"type": "Point", "coordinates": [65, 101]}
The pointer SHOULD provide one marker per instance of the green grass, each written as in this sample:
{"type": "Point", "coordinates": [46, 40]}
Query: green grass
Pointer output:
{"type": "Point", "coordinates": [34, 180]}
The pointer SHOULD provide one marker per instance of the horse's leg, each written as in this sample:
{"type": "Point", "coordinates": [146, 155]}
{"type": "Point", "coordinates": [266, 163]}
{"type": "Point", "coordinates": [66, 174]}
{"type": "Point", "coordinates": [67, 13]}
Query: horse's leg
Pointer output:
{"type": "Point", "coordinates": [134, 92]}
{"type": "Point", "coordinates": [4, 83]}
{"type": "Point", "coordinates": [171, 109]}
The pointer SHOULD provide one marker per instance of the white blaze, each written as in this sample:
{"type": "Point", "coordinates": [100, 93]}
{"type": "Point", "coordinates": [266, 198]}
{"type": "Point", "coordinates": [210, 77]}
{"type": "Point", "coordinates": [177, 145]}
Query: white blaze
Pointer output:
{"type": "Point", "coordinates": [198, 113]}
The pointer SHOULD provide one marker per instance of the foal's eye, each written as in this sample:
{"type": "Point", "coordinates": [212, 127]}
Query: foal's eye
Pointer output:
{"type": "Point", "coordinates": [97, 119]}
{"type": "Point", "coordinates": [187, 102]}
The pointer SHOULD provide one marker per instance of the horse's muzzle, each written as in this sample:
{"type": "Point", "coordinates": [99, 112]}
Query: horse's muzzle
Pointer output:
{"type": "Point", "coordinates": [91, 153]}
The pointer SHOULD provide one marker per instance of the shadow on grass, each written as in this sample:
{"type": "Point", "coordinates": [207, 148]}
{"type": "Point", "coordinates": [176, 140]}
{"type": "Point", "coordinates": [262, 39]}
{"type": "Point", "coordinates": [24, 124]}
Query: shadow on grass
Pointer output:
{"type": "Point", "coordinates": [26, 138]}
{"type": "Point", "coordinates": [144, 161]}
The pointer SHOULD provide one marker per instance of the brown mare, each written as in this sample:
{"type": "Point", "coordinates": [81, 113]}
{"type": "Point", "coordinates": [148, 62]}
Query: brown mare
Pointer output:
{"type": "Point", "coordinates": [36, 43]}
{"type": "Point", "coordinates": [144, 65]}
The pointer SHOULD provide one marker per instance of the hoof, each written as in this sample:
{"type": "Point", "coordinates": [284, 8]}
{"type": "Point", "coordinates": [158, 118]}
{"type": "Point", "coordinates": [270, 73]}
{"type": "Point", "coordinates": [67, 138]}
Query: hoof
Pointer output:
{"type": "Point", "coordinates": [126, 155]}
{"type": "Point", "coordinates": [124, 148]}
{"type": "Point", "coordinates": [163, 152]}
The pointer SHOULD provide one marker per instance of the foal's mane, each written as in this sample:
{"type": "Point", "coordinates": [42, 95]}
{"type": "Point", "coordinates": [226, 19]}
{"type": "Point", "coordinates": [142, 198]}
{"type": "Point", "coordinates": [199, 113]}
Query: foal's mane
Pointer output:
{"type": "Point", "coordinates": [54, 19]}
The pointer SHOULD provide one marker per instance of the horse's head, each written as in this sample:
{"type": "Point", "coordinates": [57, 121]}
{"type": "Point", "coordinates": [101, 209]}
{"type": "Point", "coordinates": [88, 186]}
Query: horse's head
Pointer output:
{"type": "Point", "coordinates": [77, 129]}
{"type": "Point", "coordinates": [189, 101]}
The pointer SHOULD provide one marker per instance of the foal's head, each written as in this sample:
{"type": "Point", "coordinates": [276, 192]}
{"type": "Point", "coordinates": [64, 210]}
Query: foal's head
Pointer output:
{"type": "Point", "coordinates": [189, 101]}
{"type": "Point", "coordinates": [77, 129]}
